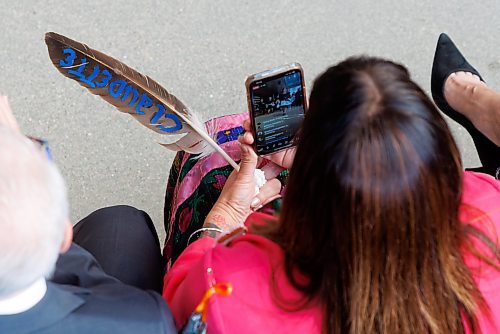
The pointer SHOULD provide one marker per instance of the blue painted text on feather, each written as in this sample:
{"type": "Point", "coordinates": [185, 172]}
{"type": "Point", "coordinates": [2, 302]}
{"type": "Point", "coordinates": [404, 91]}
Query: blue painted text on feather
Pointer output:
{"type": "Point", "coordinates": [135, 94]}
{"type": "Point", "coordinates": [118, 89]}
{"type": "Point", "coordinates": [145, 102]}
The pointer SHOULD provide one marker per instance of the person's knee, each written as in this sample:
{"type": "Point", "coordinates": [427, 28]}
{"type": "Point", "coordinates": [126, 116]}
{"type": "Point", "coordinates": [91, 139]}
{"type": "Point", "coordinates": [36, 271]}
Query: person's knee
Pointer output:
{"type": "Point", "coordinates": [117, 211]}
{"type": "Point", "coordinates": [116, 220]}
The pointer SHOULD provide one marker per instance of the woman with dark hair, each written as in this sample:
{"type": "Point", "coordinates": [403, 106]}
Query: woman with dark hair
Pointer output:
{"type": "Point", "coordinates": [381, 231]}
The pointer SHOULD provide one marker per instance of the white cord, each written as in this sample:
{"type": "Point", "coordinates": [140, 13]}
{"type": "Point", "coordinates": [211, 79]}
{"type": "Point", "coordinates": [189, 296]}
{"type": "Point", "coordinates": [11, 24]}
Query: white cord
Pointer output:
{"type": "Point", "coordinates": [203, 229]}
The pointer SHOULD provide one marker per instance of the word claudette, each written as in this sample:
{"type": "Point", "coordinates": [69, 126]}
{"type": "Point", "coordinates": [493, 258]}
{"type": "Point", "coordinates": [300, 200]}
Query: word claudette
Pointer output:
{"type": "Point", "coordinates": [118, 89]}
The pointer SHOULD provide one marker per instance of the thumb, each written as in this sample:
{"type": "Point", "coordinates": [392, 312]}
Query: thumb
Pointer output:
{"type": "Point", "coordinates": [248, 161]}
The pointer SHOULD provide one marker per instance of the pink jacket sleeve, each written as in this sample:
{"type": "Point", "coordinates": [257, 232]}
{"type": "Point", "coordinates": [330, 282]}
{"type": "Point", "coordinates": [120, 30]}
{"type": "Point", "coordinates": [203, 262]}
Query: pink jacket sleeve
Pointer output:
{"type": "Point", "coordinates": [186, 282]}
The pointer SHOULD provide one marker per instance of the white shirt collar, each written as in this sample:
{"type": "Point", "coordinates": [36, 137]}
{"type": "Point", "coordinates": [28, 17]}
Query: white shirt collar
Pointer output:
{"type": "Point", "coordinates": [25, 299]}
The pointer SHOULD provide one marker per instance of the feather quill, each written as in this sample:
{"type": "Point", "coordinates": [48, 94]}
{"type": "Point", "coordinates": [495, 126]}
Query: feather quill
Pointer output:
{"type": "Point", "coordinates": [133, 93]}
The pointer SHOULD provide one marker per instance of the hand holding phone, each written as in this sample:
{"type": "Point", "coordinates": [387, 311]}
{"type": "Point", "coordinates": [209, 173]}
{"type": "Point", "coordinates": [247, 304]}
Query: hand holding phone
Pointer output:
{"type": "Point", "coordinates": [281, 160]}
{"type": "Point", "coordinates": [276, 103]}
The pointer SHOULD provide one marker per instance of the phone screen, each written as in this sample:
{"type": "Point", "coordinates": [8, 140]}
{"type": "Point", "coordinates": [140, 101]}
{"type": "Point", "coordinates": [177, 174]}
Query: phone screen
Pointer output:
{"type": "Point", "coordinates": [277, 110]}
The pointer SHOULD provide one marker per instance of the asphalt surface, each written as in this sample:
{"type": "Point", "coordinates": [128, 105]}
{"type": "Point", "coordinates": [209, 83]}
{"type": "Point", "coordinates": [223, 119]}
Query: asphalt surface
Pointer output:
{"type": "Point", "coordinates": [201, 51]}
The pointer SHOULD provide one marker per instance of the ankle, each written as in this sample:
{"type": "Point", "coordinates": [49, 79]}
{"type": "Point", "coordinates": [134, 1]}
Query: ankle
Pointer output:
{"type": "Point", "coordinates": [484, 112]}
{"type": "Point", "coordinates": [484, 104]}
{"type": "Point", "coordinates": [493, 101]}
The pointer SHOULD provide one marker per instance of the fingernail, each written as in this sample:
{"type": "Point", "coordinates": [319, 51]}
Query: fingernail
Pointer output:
{"type": "Point", "coordinates": [273, 198]}
{"type": "Point", "coordinates": [255, 202]}
{"type": "Point", "coordinates": [257, 208]}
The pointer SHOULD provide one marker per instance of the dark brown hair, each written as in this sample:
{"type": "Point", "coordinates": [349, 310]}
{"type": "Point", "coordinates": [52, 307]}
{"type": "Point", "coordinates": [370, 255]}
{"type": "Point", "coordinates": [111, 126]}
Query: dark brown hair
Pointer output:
{"type": "Point", "coordinates": [370, 213]}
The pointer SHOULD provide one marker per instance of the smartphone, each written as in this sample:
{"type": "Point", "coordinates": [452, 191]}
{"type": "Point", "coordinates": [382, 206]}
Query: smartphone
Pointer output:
{"type": "Point", "coordinates": [276, 103]}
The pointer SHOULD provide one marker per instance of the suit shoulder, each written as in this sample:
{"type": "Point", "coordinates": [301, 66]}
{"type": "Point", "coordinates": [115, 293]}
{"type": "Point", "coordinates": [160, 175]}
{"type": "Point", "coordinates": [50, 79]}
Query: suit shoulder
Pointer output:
{"type": "Point", "coordinates": [118, 307]}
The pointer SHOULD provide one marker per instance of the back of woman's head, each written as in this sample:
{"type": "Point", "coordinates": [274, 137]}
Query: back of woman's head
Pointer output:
{"type": "Point", "coordinates": [371, 209]}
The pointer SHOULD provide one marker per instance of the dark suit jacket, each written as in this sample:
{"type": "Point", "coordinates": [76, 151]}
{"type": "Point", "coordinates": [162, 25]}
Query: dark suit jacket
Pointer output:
{"type": "Point", "coordinates": [81, 298]}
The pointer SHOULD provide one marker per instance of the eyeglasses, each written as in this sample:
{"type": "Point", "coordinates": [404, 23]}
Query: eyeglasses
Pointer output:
{"type": "Point", "coordinates": [43, 145]}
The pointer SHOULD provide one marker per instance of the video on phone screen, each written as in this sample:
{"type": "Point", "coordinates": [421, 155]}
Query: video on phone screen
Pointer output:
{"type": "Point", "coordinates": [278, 111]}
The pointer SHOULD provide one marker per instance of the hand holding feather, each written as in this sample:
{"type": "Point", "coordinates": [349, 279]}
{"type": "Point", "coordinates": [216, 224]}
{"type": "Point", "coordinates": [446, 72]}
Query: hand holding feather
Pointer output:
{"type": "Point", "coordinates": [133, 93]}
{"type": "Point", "coordinates": [238, 198]}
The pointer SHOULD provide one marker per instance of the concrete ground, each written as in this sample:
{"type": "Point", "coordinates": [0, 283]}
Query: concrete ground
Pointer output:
{"type": "Point", "coordinates": [201, 51]}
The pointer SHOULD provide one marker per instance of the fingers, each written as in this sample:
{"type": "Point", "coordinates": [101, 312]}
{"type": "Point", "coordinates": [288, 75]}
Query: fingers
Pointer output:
{"type": "Point", "coordinates": [247, 125]}
{"type": "Point", "coordinates": [283, 158]}
{"type": "Point", "coordinates": [246, 138]}
{"type": "Point", "coordinates": [248, 161]}
{"type": "Point", "coordinates": [271, 170]}
{"type": "Point", "coordinates": [267, 193]}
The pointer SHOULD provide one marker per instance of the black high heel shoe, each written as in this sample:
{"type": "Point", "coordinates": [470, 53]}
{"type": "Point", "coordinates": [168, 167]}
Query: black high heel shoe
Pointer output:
{"type": "Point", "coordinates": [448, 60]}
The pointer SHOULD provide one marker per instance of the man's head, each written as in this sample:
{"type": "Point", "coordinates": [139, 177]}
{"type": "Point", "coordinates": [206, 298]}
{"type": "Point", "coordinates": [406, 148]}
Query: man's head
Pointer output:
{"type": "Point", "coordinates": [33, 213]}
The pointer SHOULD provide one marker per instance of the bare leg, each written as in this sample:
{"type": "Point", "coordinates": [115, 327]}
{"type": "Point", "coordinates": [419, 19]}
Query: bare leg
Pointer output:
{"type": "Point", "coordinates": [468, 95]}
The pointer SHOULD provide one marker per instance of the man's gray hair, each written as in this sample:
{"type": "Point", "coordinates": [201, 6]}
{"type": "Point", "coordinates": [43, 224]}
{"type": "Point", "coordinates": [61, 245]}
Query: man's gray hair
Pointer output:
{"type": "Point", "coordinates": [33, 212]}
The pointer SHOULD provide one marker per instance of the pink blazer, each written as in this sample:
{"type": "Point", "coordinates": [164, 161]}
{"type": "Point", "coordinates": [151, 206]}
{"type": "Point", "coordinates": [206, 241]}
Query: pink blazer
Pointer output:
{"type": "Point", "coordinates": [248, 263]}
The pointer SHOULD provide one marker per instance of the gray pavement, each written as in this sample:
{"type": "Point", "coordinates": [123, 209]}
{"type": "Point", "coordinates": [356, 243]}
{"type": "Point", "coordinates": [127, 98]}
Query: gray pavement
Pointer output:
{"type": "Point", "coordinates": [202, 51]}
